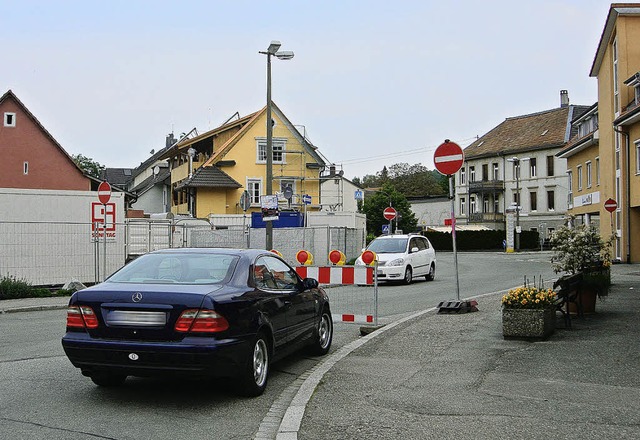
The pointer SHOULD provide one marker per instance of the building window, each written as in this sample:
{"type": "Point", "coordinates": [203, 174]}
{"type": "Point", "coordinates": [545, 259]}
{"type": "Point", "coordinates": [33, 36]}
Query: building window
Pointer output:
{"type": "Point", "coordinates": [588, 171]}
{"type": "Point", "coordinates": [485, 172]}
{"type": "Point", "coordinates": [462, 176]}
{"type": "Point", "coordinates": [472, 174]}
{"type": "Point", "coordinates": [496, 202]}
{"type": "Point", "coordinates": [551, 200]}
{"type": "Point", "coordinates": [597, 171]}
{"type": "Point", "coordinates": [496, 172]}
{"type": "Point", "coordinates": [570, 190]}
{"type": "Point", "coordinates": [278, 150]}
{"type": "Point", "coordinates": [579, 173]}
{"type": "Point", "coordinates": [533, 198]}
{"type": "Point", "coordinates": [9, 119]}
{"type": "Point", "coordinates": [516, 198]}
{"type": "Point", "coordinates": [25, 168]}
{"type": "Point", "coordinates": [485, 204]}
{"type": "Point", "coordinates": [550, 170]}
{"type": "Point", "coordinates": [284, 184]}
{"type": "Point", "coordinates": [463, 203]}
{"type": "Point", "coordinates": [473, 208]}
{"type": "Point", "coordinates": [637, 159]}
{"type": "Point", "coordinates": [254, 186]}
{"type": "Point", "coordinates": [532, 167]}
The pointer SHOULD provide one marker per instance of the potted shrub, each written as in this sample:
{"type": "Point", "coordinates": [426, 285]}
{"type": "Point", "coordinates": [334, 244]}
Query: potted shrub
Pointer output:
{"type": "Point", "coordinates": [581, 250]}
{"type": "Point", "coordinates": [528, 313]}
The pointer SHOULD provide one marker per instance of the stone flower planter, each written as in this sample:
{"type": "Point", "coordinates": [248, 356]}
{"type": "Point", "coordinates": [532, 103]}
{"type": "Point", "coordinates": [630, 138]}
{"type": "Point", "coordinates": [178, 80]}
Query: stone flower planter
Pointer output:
{"type": "Point", "coordinates": [529, 324]}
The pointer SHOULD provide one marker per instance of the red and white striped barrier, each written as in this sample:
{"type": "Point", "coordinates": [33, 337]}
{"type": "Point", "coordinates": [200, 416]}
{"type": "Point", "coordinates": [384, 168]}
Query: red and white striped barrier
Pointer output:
{"type": "Point", "coordinates": [362, 275]}
{"type": "Point", "coordinates": [352, 319]}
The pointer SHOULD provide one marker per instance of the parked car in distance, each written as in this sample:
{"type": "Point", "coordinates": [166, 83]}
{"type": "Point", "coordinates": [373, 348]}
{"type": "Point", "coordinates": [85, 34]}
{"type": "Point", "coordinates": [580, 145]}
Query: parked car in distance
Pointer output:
{"type": "Point", "coordinates": [200, 312]}
{"type": "Point", "coordinates": [402, 257]}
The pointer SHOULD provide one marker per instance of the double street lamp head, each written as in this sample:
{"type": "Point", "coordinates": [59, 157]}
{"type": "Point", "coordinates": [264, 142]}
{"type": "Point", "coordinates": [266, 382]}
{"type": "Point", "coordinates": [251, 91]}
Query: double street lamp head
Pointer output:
{"type": "Point", "coordinates": [274, 49]}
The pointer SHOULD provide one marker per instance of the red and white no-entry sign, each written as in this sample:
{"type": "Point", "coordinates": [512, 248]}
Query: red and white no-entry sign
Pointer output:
{"type": "Point", "coordinates": [104, 192]}
{"type": "Point", "coordinates": [389, 213]}
{"type": "Point", "coordinates": [610, 205]}
{"type": "Point", "coordinates": [448, 158]}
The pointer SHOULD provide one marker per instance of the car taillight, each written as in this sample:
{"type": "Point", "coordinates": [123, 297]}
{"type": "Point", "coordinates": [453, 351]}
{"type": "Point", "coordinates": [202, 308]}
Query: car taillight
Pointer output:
{"type": "Point", "coordinates": [201, 321]}
{"type": "Point", "coordinates": [81, 317]}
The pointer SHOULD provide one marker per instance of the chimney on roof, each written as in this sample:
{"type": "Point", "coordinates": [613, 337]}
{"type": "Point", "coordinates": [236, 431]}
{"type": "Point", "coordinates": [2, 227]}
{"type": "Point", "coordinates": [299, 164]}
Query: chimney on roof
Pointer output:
{"type": "Point", "coordinates": [564, 98]}
{"type": "Point", "coordinates": [170, 140]}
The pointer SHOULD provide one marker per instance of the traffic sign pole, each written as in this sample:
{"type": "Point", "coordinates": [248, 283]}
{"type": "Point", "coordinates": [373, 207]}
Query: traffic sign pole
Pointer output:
{"type": "Point", "coordinates": [453, 236]}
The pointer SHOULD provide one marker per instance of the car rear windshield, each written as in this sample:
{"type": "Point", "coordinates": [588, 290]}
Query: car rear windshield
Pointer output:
{"type": "Point", "coordinates": [177, 268]}
{"type": "Point", "coordinates": [388, 245]}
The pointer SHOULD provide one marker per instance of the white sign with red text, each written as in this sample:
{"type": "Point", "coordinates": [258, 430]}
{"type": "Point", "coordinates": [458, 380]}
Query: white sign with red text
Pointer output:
{"type": "Point", "coordinates": [103, 220]}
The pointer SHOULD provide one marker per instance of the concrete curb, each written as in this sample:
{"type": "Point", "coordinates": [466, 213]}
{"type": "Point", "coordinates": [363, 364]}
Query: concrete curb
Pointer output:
{"type": "Point", "coordinates": [33, 308]}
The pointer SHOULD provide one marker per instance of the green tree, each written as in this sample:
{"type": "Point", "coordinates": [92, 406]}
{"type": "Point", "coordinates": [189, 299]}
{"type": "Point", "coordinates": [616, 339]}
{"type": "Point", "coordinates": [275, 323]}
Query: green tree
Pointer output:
{"type": "Point", "coordinates": [88, 165]}
{"type": "Point", "coordinates": [375, 204]}
{"type": "Point", "coordinates": [415, 180]}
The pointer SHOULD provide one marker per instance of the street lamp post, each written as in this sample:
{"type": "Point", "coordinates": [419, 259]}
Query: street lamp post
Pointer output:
{"type": "Point", "coordinates": [516, 170]}
{"type": "Point", "coordinates": [273, 49]}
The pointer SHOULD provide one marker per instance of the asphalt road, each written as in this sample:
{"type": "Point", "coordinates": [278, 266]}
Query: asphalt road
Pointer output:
{"type": "Point", "coordinates": [44, 397]}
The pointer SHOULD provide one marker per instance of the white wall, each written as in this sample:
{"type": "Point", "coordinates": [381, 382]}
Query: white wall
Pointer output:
{"type": "Point", "coordinates": [46, 236]}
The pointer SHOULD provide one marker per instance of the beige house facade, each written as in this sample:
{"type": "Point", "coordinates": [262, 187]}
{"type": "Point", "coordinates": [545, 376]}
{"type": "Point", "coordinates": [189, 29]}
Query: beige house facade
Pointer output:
{"type": "Point", "coordinates": [605, 163]}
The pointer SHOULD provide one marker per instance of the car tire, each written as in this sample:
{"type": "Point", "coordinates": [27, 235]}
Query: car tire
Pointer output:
{"type": "Point", "coordinates": [108, 379]}
{"type": "Point", "coordinates": [253, 378]}
{"type": "Point", "coordinates": [432, 273]}
{"type": "Point", "coordinates": [324, 336]}
{"type": "Point", "coordinates": [408, 275]}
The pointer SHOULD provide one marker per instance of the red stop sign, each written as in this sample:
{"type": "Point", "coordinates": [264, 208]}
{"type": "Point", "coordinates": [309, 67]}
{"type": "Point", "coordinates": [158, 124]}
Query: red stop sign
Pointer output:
{"type": "Point", "coordinates": [104, 192]}
{"type": "Point", "coordinates": [389, 213]}
{"type": "Point", "coordinates": [448, 158]}
{"type": "Point", "coordinates": [610, 205]}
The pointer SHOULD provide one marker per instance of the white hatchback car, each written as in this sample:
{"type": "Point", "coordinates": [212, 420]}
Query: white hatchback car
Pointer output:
{"type": "Point", "coordinates": [403, 257]}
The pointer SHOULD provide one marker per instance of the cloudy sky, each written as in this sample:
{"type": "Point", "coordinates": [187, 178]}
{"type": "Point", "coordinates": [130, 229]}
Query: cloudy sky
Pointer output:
{"type": "Point", "coordinates": [373, 82]}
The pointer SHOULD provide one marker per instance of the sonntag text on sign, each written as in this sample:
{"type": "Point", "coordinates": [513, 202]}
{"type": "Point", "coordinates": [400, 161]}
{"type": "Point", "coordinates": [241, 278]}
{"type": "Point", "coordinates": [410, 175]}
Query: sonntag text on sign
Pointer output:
{"type": "Point", "coordinates": [448, 158]}
{"type": "Point", "coordinates": [610, 205]}
{"type": "Point", "coordinates": [104, 192]}
{"type": "Point", "coordinates": [389, 213]}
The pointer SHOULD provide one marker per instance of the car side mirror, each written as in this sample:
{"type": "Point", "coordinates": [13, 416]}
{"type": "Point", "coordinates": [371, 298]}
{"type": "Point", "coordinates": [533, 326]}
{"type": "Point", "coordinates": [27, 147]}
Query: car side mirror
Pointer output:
{"type": "Point", "coordinates": [309, 283]}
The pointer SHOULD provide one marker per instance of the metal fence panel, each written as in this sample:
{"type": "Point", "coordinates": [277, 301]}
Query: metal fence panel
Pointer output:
{"type": "Point", "coordinates": [53, 253]}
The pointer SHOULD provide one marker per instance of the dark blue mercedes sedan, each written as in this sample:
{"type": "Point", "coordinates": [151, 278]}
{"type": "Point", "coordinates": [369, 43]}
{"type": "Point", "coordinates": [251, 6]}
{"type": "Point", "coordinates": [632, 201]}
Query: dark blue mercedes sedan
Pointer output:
{"type": "Point", "coordinates": [201, 312]}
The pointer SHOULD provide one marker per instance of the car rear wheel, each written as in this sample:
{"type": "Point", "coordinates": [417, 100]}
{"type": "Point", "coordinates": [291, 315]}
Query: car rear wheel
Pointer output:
{"type": "Point", "coordinates": [324, 337]}
{"type": "Point", "coordinates": [108, 379]}
{"type": "Point", "coordinates": [408, 275]}
{"type": "Point", "coordinates": [254, 377]}
{"type": "Point", "coordinates": [432, 273]}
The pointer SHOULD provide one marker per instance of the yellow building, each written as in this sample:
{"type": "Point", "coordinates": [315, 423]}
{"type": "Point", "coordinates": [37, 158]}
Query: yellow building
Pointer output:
{"type": "Point", "coordinates": [210, 172]}
{"type": "Point", "coordinates": [615, 157]}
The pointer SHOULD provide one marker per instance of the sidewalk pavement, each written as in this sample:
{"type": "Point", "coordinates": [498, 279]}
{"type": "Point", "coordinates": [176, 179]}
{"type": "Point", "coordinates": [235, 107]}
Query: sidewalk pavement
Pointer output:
{"type": "Point", "coordinates": [455, 377]}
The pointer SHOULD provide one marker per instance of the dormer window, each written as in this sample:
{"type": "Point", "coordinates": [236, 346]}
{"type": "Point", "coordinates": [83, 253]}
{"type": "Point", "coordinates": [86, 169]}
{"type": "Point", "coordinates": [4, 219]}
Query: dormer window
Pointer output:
{"type": "Point", "coordinates": [9, 119]}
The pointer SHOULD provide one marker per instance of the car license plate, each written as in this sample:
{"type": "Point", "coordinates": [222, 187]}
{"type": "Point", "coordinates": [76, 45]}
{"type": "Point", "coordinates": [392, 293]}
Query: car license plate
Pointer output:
{"type": "Point", "coordinates": [136, 318]}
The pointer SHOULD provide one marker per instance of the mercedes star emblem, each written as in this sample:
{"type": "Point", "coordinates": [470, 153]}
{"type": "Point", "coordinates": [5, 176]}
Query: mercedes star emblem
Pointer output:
{"type": "Point", "coordinates": [136, 297]}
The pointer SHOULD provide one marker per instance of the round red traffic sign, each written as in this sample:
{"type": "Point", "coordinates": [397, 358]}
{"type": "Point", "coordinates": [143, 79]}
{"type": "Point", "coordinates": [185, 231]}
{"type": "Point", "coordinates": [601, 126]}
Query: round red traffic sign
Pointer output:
{"type": "Point", "coordinates": [610, 205]}
{"type": "Point", "coordinates": [389, 213]}
{"type": "Point", "coordinates": [104, 192]}
{"type": "Point", "coordinates": [448, 158]}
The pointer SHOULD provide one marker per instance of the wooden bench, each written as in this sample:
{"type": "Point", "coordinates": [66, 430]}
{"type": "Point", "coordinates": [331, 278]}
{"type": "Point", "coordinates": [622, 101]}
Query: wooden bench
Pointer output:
{"type": "Point", "coordinates": [568, 292]}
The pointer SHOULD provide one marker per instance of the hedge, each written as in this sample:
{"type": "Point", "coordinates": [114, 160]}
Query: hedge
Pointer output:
{"type": "Point", "coordinates": [480, 240]}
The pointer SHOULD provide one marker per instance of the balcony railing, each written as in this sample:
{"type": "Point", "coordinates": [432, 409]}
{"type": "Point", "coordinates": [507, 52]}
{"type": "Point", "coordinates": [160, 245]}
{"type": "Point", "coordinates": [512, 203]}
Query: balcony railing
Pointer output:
{"type": "Point", "coordinates": [486, 186]}
{"type": "Point", "coordinates": [486, 217]}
